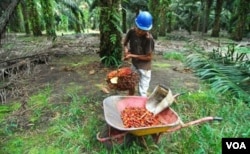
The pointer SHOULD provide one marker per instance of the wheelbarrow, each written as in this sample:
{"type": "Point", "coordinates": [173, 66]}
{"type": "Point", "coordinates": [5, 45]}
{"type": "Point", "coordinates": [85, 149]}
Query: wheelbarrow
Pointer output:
{"type": "Point", "coordinates": [117, 132]}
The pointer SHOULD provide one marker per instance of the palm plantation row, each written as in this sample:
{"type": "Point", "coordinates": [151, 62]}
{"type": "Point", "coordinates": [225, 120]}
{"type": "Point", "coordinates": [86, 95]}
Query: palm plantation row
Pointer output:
{"type": "Point", "coordinates": [114, 17]}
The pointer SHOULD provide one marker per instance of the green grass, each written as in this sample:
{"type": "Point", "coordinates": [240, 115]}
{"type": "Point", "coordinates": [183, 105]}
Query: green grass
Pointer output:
{"type": "Point", "coordinates": [174, 55]}
{"type": "Point", "coordinates": [161, 65]}
{"type": "Point", "coordinates": [73, 124]}
{"type": "Point", "coordinates": [70, 128]}
{"type": "Point", "coordinates": [81, 61]}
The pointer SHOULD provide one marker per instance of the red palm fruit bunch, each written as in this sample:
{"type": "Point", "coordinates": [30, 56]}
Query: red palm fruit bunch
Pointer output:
{"type": "Point", "coordinates": [122, 79]}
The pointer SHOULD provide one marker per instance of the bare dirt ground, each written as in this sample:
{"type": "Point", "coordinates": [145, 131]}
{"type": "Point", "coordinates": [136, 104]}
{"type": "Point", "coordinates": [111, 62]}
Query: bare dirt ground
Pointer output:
{"type": "Point", "coordinates": [73, 61]}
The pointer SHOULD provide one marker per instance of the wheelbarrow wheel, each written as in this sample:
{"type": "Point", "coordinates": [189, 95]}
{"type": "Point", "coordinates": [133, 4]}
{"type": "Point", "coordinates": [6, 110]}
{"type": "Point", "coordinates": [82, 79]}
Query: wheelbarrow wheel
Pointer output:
{"type": "Point", "coordinates": [115, 138]}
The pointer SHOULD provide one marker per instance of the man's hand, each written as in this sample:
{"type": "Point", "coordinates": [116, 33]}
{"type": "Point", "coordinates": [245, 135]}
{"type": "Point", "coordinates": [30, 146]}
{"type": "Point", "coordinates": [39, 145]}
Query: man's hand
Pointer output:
{"type": "Point", "coordinates": [146, 57]}
{"type": "Point", "coordinates": [126, 55]}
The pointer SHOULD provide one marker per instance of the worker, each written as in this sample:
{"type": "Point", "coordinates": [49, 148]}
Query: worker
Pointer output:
{"type": "Point", "coordinates": [138, 46]}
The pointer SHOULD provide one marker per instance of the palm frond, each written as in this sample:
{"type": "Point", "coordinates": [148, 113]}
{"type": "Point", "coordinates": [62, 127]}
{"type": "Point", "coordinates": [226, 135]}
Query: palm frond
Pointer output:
{"type": "Point", "coordinates": [222, 78]}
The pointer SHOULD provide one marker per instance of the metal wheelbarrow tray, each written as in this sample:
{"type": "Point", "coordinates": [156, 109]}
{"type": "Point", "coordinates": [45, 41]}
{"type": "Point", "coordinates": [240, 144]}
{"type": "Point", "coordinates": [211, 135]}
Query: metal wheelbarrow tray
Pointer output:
{"type": "Point", "coordinates": [114, 105]}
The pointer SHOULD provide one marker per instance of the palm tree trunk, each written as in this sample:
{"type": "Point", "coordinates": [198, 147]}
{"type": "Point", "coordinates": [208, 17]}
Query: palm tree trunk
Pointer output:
{"type": "Point", "coordinates": [216, 26]}
{"type": "Point", "coordinates": [78, 19]}
{"type": "Point", "coordinates": [164, 5]}
{"type": "Point", "coordinates": [124, 21]}
{"type": "Point", "coordinates": [6, 16]}
{"type": "Point", "coordinates": [243, 8]}
{"type": "Point", "coordinates": [25, 17]}
{"type": "Point", "coordinates": [154, 10]}
{"type": "Point", "coordinates": [16, 21]}
{"type": "Point", "coordinates": [208, 4]}
{"type": "Point", "coordinates": [110, 32]}
{"type": "Point", "coordinates": [48, 16]}
{"type": "Point", "coordinates": [169, 22]}
{"type": "Point", "coordinates": [34, 18]}
{"type": "Point", "coordinates": [163, 25]}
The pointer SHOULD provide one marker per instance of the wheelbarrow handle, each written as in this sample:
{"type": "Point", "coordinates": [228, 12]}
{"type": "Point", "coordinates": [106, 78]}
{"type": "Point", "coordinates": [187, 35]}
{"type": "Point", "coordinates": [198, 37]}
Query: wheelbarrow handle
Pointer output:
{"type": "Point", "coordinates": [218, 118]}
{"type": "Point", "coordinates": [195, 122]}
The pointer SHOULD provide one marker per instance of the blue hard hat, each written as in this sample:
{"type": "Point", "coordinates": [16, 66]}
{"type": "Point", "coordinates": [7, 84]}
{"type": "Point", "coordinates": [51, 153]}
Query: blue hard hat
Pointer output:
{"type": "Point", "coordinates": [144, 20]}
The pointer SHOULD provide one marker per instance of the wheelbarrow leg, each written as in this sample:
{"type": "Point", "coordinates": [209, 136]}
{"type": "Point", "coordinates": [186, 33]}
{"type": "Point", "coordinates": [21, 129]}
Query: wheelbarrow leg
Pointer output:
{"type": "Point", "coordinates": [143, 141]}
{"type": "Point", "coordinates": [156, 137]}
